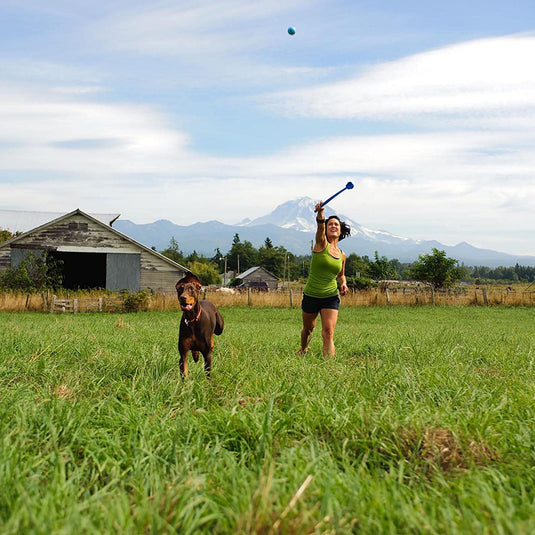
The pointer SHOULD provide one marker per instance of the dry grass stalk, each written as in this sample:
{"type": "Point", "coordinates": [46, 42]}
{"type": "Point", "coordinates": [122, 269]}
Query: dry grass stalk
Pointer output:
{"type": "Point", "coordinates": [395, 296]}
{"type": "Point", "coordinates": [293, 501]}
{"type": "Point", "coordinates": [21, 302]}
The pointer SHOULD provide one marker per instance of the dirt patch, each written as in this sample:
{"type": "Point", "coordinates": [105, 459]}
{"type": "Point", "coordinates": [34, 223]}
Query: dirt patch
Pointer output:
{"type": "Point", "coordinates": [488, 372]}
{"type": "Point", "coordinates": [64, 392]}
{"type": "Point", "coordinates": [244, 402]}
{"type": "Point", "coordinates": [438, 447]}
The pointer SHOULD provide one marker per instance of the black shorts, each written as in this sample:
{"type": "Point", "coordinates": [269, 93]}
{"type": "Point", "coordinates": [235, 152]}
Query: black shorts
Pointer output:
{"type": "Point", "coordinates": [312, 305]}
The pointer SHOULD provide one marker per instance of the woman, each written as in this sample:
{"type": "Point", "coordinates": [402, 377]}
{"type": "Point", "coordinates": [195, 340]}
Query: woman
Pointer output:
{"type": "Point", "coordinates": [320, 295]}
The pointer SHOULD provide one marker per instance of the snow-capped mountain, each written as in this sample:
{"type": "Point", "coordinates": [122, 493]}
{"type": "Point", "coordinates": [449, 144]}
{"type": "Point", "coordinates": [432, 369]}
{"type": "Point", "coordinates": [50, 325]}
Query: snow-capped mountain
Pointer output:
{"type": "Point", "coordinates": [298, 214]}
{"type": "Point", "coordinates": [292, 225]}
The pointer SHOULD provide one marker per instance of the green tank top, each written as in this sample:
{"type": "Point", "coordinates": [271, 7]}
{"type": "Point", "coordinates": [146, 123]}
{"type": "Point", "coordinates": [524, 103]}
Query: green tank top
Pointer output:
{"type": "Point", "coordinates": [324, 269]}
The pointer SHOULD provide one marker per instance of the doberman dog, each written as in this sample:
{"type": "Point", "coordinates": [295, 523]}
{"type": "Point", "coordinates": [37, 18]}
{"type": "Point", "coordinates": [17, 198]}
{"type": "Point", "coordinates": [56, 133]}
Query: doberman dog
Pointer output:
{"type": "Point", "coordinates": [200, 321]}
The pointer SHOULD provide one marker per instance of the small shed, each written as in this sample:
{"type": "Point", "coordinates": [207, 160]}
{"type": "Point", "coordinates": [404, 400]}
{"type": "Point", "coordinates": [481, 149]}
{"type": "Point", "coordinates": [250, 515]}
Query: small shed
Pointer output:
{"type": "Point", "coordinates": [258, 274]}
{"type": "Point", "coordinates": [93, 255]}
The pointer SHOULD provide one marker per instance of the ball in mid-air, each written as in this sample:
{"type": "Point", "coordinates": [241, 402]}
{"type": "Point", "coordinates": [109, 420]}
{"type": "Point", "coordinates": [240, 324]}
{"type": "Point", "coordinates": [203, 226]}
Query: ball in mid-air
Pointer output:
{"type": "Point", "coordinates": [291, 30]}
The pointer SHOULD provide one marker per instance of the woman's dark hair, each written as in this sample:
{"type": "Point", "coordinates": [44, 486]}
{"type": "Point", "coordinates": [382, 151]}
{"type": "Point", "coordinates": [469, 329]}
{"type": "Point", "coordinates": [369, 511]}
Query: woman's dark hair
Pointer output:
{"type": "Point", "coordinates": [345, 229]}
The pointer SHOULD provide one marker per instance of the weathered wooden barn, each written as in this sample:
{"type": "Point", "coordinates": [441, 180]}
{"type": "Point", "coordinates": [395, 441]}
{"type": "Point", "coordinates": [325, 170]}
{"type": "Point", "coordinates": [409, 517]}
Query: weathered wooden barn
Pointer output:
{"type": "Point", "coordinates": [94, 255]}
{"type": "Point", "coordinates": [258, 274]}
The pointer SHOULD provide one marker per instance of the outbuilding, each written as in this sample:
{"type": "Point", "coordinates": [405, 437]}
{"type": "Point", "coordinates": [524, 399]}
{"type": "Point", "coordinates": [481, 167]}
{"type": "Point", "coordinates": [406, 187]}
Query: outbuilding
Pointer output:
{"type": "Point", "coordinates": [93, 254]}
{"type": "Point", "coordinates": [258, 274]}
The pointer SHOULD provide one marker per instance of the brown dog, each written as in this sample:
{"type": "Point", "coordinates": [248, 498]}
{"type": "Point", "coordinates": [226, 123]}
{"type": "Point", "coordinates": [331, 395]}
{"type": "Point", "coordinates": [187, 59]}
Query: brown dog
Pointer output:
{"type": "Point", "coordinates": [200, 321]}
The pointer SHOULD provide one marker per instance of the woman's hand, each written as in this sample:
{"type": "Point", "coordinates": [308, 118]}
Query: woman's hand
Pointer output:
{"type": "Point", "coordinates": [319, 209]}
{"type": "Point", "coordinates": [342, 281]}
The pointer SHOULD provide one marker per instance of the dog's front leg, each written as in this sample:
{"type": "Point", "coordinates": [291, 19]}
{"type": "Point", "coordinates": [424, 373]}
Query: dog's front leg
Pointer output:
{"type": "Point", "coordinates": [183, 363]}
{"type": "Point", "coordinates": [208, 362]}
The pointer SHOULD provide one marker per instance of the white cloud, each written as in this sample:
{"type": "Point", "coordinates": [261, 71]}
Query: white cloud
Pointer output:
{"type": "Point", "coordinates": [42, 131]}
{"type": "Point", "coordinates": [488, 76]}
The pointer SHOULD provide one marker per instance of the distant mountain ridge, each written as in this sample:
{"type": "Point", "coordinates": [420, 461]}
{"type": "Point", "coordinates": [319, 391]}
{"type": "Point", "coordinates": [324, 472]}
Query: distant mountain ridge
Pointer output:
{"type": "Point", "coordinates": [292, 225]}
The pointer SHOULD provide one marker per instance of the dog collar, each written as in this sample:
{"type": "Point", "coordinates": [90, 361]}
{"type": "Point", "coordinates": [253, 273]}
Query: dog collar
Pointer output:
{"type": "Point", "coordinates": [187, 321]}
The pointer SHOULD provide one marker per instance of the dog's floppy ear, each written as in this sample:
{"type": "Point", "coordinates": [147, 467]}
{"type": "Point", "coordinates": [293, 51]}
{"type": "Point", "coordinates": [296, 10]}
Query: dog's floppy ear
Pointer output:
{"type": "Point", "coordinates": [189, 278]}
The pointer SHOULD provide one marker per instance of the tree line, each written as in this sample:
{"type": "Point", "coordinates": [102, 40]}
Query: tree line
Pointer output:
{"type": "Point", "coordinates": [36, 272]}
{"type": "Point", "coordinates": [434, 268]}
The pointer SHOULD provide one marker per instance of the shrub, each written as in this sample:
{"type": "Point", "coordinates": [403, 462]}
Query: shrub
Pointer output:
{"type": "Point", "coordinates": [35, 272]}
{"type": "Point", "coordinates": [136, 302]}
{"type": "Point", "coordinates": [360, 283]}
{"type": "Point", "coordinates": [207, 273]}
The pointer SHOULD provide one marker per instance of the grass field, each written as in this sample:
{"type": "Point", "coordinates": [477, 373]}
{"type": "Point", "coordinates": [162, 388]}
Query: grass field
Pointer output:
{"type": "Point", "coordinates": [424, 422]}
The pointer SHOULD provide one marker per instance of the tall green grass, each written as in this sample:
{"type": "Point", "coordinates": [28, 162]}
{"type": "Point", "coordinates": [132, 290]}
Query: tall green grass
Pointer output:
{"type": "Point", "coordinates": [424, 422]}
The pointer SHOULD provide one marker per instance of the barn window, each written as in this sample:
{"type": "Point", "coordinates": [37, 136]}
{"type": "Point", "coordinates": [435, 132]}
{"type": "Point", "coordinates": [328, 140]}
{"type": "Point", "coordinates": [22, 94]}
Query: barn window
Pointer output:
{"type": "Point", "coordinates": [75, 225]}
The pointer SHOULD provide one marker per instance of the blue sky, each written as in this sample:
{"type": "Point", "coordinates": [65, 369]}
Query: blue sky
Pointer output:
{"type": "Point", "coordinates": [199, 110]}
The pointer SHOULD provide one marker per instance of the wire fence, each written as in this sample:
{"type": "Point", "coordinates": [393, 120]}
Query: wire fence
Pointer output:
{"type": "Point", "coordinates": [282, 298]}
{"type": "Point", "coordinates": [397, 296]}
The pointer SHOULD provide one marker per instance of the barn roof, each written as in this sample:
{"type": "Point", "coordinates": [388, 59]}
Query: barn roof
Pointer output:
{"type": "Point", "coordinates": [98, 222]}
{"type": "Point", "coordinates": [23, 221]}
{"type": "Point", "coordinates": [245, 274]}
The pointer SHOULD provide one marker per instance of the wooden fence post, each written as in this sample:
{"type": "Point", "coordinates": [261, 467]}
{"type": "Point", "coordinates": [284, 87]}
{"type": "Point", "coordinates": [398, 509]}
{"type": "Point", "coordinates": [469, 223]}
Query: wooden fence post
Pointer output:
{"type": "Point", "coordinates": [291, 298]}
{"type": "Point", "coordinates": [485, 296]}
{"type": "Point", "coordinates": [249, 299]}
{"type": "Point", "coordinates": [433, 295]}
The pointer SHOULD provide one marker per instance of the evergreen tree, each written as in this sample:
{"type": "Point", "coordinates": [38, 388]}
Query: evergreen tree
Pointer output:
{"type": "Point", "coordinates": [173, 252]}
{"type": "Point", "coordinates": [242, 256]}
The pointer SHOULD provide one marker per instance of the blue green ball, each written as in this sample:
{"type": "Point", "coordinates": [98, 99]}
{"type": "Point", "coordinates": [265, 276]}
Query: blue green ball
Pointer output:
{"type": "Point", "coordinates": [291, 30]}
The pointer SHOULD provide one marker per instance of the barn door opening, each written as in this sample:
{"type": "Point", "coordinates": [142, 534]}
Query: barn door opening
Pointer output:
{"type": "Point", "coordinates": [81, 271]}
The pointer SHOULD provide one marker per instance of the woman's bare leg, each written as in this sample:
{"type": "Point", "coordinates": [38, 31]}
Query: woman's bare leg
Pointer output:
{"type": "Point", "coordinates": [309, 322]}
{"type": "Point", "coordinates": [329, 317]}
